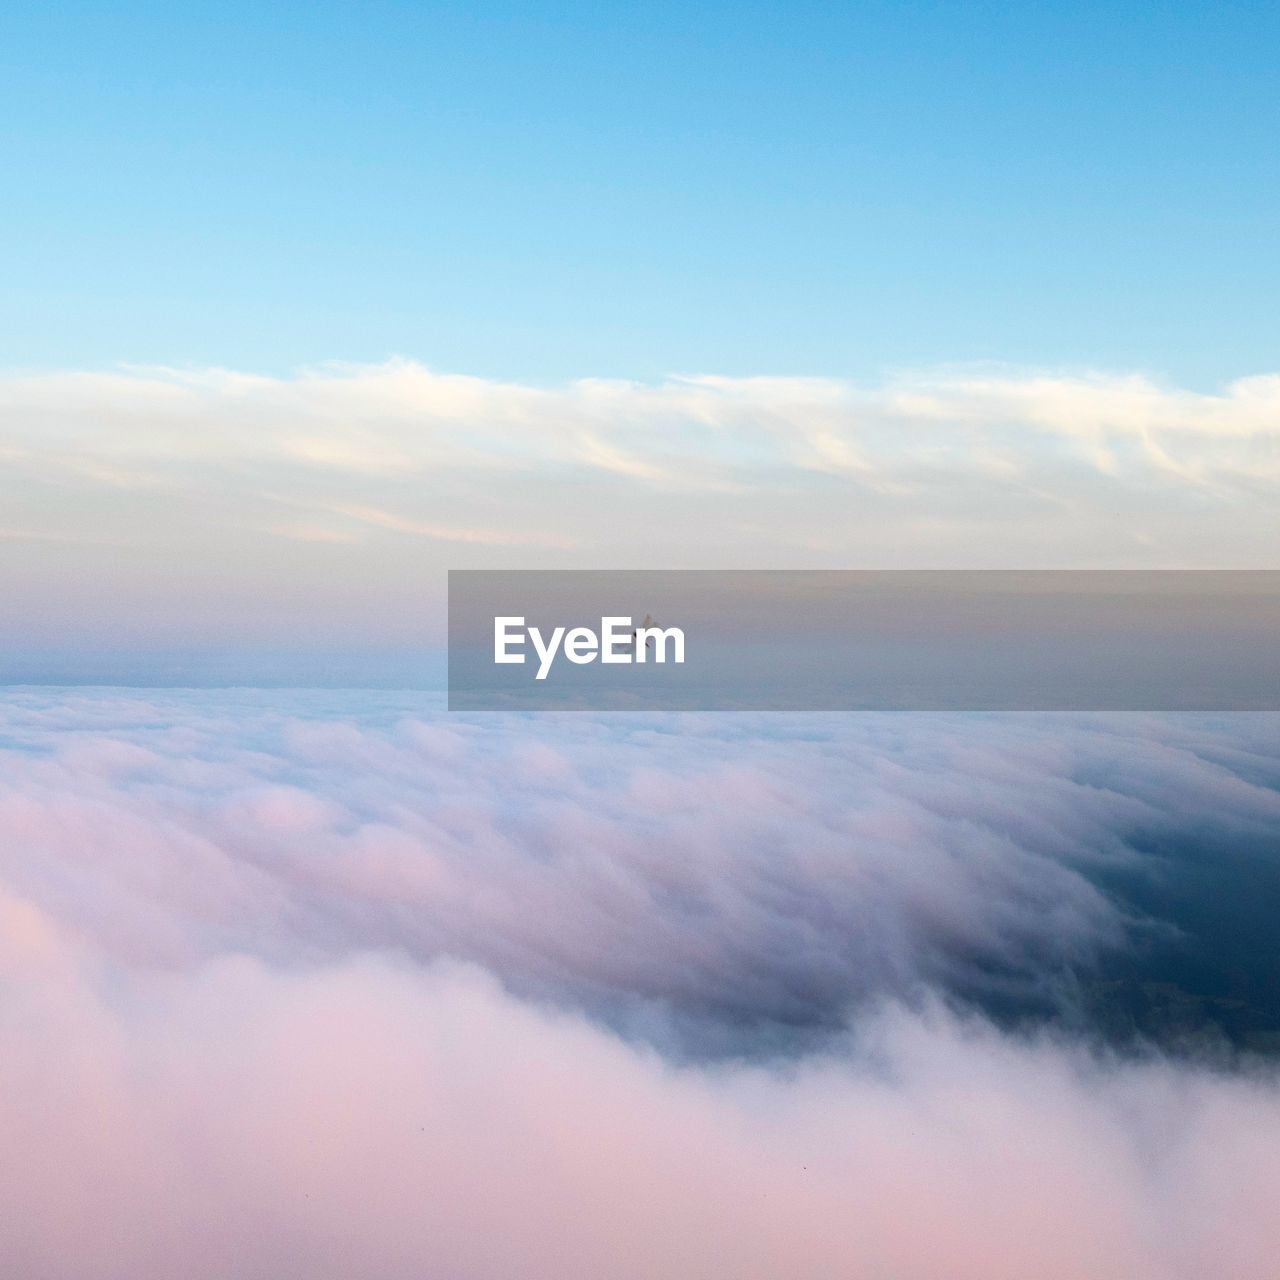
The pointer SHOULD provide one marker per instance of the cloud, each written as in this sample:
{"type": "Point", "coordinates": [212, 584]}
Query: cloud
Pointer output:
{"type": "Point", "coordinates": [340, 494]}
{"type": "Point", "coordinates": [724, 875]}
{"type": "Point", "coordinates": [367, 1117]}
{"type": "Point", "coordinates": [684, 433]}
{"type": "Point", "coordinates": [335, 985]}
{"type": "Point", "coordinates": [710, 882]}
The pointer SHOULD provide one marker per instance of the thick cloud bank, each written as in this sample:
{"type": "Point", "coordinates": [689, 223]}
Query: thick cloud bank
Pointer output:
{"type": "Point", "coordinates": [330, 986]}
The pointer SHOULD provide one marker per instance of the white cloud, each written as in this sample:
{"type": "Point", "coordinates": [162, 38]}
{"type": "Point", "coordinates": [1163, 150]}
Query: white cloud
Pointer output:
{"type": "Point", "coordinates": [337, 497]}
{"type": "Point", "coordinates": [363, 1118]}
{"type": "Point", "coordinates": [306, 984]}
{"type": "Point", "coordinates": [710, 881]}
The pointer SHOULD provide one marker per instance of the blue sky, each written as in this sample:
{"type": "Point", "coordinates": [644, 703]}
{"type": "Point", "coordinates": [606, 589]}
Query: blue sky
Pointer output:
{"type": "Point", "coordinates": [543, 192]}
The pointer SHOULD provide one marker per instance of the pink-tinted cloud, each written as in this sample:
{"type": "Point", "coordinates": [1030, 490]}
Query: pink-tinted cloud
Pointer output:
{"type": "Point", "coordinates": [370, 1117]}
{"type": "Point", "coordinates": [294, 984]}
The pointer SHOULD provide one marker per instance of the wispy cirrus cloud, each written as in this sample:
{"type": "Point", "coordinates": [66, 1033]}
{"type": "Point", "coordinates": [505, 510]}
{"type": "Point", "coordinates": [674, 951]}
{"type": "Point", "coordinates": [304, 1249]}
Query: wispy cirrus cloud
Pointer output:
{"type": "Point", "coordinates": [277, 501]}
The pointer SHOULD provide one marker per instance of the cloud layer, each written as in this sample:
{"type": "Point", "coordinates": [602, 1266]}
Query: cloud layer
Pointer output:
{"type": "Point", "coordinates": [361, 1118]}
{"type": "Point", "coordinates": [205, 508]}
{"type": "Point", "coordinates": [307, 983]}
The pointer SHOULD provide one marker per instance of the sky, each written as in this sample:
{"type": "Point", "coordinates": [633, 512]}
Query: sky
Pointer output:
{"type": "Point", "coordinates": [305, 305]}
{"type": "Point", "coordinates": [547, 192]}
